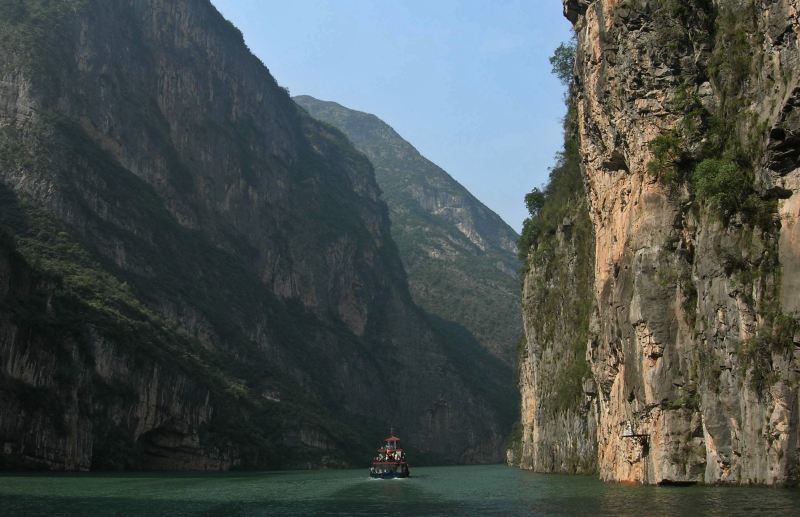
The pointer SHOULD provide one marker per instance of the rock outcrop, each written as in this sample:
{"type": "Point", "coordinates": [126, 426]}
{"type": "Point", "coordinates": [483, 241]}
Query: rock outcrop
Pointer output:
{"type": "Point", "coordinates": [197, 274]}
{"type": "Point", "coordinates": [459, 255]}
{"type": "Point", "coordinates": [558, 414]}
{"type": "Point", "coordinates": [686, 122]}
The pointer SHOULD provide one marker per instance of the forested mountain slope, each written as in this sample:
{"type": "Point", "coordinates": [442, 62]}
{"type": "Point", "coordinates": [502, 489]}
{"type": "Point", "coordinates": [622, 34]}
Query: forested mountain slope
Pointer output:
{"type": "Point", "coordinates": [459, 255]}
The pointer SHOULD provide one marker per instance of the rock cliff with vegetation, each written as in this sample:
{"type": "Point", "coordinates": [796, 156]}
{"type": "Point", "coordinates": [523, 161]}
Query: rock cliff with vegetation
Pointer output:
{"type": "Point", "coordinates": [557, 428]}
{"type": "Point", "coordinates": [459, 255]}
{"type": "Point", "coordinates": [686, 127]}
{"type": "Point", "coordinates": [196, 274]}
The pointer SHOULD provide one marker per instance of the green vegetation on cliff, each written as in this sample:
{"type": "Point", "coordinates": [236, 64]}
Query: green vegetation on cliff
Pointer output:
{"type": "Point", "coordinates": [549, 206]}
{"type": "Point", "coordinates": [710, 159]}
{"type": "Point", "coordinates": [708, 152]}
{"type": "Point", "coordinates": [564, 190]}
{"type": "Point", "coordinates": [560, 246]}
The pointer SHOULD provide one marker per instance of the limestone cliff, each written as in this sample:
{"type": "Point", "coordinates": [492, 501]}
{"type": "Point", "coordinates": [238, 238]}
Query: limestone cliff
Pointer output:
{"type": "Point", "coordinates": [459, 255]}
{"type": "Point", "coordinates": [687, 131]}
{"type": "Point", "coordinates": [196, 274]}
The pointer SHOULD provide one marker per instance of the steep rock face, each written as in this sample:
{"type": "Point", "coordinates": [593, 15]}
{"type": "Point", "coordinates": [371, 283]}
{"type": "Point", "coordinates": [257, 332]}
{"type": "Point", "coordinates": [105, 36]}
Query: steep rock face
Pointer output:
{"type": "Point", "coordinates": [558, 410]}
{"type": "Point", "coordinates": [694, 345]}
{"type": "Point", "coordinates": [199, 274]}
{"type": "Point", "coordinates": [459, 255]}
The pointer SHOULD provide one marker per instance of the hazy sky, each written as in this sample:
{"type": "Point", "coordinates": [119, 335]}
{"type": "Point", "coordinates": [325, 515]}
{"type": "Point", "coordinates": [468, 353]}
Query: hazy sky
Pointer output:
{"type": "Point", "coordinates": [467, 82]}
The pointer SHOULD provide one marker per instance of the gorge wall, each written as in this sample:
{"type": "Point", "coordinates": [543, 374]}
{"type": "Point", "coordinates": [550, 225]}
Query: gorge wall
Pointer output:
{"type": "Point", "coordinates": [686, 125]}
{"type": "Point", "coordinates": [459, 255]}
{"type": "Point", "coordinates": [196, 274]}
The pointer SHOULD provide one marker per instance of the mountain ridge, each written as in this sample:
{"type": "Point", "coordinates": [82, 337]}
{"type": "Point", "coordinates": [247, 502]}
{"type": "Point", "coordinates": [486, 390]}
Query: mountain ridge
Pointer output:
{"type": "Point", "coordinates": [459, 254]}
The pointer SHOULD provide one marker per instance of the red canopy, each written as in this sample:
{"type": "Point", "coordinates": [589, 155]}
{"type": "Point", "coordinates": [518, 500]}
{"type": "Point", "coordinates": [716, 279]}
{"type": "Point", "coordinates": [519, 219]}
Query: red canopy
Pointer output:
{"type": "Point", "coordinates": [392, 439]}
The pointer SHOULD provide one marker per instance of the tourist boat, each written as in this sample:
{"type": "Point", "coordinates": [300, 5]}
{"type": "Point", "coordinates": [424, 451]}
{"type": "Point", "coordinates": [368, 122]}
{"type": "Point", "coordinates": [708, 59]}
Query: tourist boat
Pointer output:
{"type": "Point", "coordinates": [390, 462]}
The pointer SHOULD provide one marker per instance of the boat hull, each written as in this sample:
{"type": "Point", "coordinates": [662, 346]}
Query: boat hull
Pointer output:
{"type": "Point", "coordinates": [389, 471]}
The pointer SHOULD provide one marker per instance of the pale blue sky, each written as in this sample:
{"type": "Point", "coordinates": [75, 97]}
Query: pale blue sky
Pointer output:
{"type": "Point", "coordinates": [467, 82]}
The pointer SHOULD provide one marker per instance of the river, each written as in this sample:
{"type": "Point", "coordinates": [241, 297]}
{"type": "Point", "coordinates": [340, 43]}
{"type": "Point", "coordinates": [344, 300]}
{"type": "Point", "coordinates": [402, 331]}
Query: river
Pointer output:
{"type": "Point", "coordinates": [470, 490]}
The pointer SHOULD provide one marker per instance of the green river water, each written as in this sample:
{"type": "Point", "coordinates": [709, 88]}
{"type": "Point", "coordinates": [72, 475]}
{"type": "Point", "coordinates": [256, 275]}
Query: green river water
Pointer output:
{"type": "Point", "coordinates": [472, 490]}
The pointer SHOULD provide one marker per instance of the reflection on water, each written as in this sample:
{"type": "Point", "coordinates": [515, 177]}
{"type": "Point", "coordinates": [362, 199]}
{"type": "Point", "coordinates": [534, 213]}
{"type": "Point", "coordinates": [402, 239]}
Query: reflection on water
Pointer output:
{"type": "Point", "coordinates": [445, 491]}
